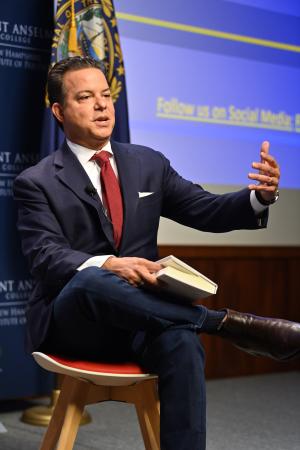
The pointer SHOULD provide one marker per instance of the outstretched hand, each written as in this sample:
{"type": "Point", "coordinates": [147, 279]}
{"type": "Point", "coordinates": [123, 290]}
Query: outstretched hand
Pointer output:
{"type": "Point", "coordinates": [268, 174]}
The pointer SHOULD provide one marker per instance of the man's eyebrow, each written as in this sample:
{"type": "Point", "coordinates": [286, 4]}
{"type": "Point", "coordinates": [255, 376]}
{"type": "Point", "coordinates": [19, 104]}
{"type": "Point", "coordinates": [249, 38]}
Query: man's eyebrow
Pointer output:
{"type": "Point", "coordinates": [84, 90]}
{"type": "Point", "coordinates": [89, 91]}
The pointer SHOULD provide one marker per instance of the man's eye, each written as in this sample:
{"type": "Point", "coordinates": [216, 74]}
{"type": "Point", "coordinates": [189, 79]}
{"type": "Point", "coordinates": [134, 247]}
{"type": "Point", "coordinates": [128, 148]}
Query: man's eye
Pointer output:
{"type": "Point", "coordinates": [84, 97]}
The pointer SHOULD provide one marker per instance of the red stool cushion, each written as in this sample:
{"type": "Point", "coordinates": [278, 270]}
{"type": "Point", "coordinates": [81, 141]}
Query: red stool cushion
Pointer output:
{"type": "Point", "coordinates": [94, 366]}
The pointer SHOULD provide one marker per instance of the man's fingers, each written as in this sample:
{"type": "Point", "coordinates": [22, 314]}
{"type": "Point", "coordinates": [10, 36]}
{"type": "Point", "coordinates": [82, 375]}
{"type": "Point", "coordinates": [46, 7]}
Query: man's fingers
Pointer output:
{"type": "Point", "coordinates": [263, 187]}
{"type": "Point", "coordinates": [265, 147]}
{"type": "Point", "coordinates": [267, 157]}
{"type": "Point", "coordinates": [263, 178]}
{"type": "Point", "coordinates": [268, 171]}
{"type": "Point", "coordinates": [264, 153]}
{"type": "Point", "coordinates": [135, 270]}
{"type": "Point", "coordinates": [150, 265]}
{"type": "Point", "coordinates": [268, 174]}
{"type": "Point", "coordinates": [115, 263]}
{"type": "Point", "coordinates": [264, 168]}
{"type": "Point", "coordinates": [269, 161]}
{"type": "Point", "coordinates": [266, 182]}
{"type": "Point", "coordinates": [146, 276]}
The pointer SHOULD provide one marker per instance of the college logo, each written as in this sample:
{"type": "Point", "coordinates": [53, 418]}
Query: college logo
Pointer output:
{"type": "Point", "coordinates": [97, 36]}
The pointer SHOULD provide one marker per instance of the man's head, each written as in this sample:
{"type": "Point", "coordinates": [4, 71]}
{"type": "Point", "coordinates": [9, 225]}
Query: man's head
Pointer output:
{"type": "Point", "coordinates": [80, 100]}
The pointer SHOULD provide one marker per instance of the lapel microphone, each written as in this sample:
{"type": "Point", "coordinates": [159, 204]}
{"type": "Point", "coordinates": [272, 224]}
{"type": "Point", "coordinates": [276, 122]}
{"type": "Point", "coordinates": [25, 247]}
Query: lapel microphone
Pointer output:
{"type": "Point", "coordinates": [90, 190]}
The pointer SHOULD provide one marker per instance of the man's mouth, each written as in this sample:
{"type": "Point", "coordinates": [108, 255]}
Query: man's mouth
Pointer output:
{"type": "Point", "coordinates": [102, 122]}
{"type": "Point", "coordinates": [101, 119]}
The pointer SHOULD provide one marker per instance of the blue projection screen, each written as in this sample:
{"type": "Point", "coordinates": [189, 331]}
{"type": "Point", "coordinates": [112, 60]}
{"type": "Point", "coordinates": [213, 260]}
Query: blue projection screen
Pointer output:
{"type": "Point", "coordinates": [208, 81]}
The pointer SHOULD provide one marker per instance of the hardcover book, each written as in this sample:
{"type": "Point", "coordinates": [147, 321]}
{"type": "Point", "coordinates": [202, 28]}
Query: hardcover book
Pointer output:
{"type": "Point", "coordinates": [184, 281]}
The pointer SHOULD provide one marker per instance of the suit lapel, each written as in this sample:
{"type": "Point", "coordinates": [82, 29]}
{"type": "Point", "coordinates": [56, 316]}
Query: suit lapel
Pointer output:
{"type": "Point", "coordinates": [129, 173]}
{"type": "Point", "coordinates": [71, 174]}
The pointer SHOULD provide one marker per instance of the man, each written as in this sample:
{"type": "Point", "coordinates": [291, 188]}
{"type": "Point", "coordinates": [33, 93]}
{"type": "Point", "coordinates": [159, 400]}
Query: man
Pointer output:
{"type": "Point", "coordinates": [92, 254]}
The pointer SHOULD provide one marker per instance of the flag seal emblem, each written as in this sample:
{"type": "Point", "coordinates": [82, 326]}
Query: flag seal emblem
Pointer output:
{"type": "Point", "coordinates": [96, 35]}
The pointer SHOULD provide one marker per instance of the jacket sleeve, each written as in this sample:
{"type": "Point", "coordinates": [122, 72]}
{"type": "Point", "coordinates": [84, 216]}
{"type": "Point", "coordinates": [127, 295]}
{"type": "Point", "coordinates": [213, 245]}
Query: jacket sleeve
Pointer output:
{"type": "Point", "coordinates": [189, 204]}
{"type": "Point", "coordinates": [44, 245]}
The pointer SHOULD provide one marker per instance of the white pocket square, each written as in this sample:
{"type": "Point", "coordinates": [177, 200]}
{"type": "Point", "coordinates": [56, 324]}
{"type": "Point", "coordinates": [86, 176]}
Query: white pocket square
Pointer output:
{"type": "Point", "coordinates": [144, 194]}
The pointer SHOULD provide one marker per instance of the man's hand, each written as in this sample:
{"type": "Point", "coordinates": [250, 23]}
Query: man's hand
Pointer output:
{"type": "Point", "coordinates": [137, 271]}
{"type": "Point", "coordinates": [268, 174]}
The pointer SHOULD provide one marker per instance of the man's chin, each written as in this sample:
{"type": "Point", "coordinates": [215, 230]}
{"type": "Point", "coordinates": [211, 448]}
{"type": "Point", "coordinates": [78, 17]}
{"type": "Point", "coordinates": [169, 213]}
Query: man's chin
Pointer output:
{"type": "Point", "coordinates": [101, 140]}
{"type": "Point", "coordinates": [102, 135]}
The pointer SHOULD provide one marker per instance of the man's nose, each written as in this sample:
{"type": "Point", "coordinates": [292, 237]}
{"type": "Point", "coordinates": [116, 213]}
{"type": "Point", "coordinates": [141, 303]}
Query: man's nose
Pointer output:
{"type": "Point", "coordinates": [100, 103]}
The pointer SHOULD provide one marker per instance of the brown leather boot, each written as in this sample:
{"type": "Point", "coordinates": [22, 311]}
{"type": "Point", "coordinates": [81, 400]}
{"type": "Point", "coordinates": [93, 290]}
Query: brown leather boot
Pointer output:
{"type": "Point", "coordinates": [261, 336]}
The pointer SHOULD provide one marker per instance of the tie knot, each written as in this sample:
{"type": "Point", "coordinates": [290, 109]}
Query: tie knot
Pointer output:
{"type": "Point", "coordinates": [101, 157]}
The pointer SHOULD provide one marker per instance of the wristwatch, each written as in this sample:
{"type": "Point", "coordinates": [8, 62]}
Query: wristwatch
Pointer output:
{"type": "Point", "coordinates": [267, 202]}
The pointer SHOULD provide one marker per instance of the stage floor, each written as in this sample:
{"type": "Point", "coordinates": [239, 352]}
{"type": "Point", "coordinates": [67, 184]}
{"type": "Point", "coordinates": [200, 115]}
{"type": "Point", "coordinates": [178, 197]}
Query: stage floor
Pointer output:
{"type": "Point", "coordinates": [247, 413]}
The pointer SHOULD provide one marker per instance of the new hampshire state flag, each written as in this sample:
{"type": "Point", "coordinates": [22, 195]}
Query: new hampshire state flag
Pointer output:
{"type": "Point", "coordinates": [88, 28]}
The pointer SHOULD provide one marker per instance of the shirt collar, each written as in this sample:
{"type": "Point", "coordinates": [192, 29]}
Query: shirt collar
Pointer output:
{"type": "Point", "coordinates": [84, 154]}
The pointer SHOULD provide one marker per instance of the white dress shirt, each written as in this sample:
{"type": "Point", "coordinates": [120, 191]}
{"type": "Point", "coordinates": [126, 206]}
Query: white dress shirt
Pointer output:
{"type": "Point", "coordinates": [256, 205]}
{"type": "Point", "coordinates": [93, 170]}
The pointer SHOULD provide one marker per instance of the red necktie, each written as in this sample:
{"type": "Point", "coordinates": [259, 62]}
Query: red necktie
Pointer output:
{"type": "Point", "coordinates": [111, 193]}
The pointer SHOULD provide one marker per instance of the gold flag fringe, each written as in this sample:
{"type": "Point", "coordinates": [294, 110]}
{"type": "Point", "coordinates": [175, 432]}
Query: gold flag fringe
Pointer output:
{"type": "Point", "coordinates": [73, 46]}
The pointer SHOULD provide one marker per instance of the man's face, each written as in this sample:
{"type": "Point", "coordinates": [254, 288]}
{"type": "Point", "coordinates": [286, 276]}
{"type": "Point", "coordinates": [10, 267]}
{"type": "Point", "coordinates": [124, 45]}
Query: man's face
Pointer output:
{"type": "Point", "coordinates": [87, 113]}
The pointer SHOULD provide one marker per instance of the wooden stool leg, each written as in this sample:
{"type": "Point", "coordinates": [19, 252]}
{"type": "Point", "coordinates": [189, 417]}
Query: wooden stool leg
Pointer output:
{"type": "Point", "coordinates": [66, 416]}
{"type": "Point", "coordinates": [146, 404]}
{"type": "Point", "coordinates": [73, 414]}
{"type": "Point", "coordinates": [54, 428]}
{"type": "Point", "coordinates": [144, 396]}
{"type": "Point", "coordinates": [153, 407]}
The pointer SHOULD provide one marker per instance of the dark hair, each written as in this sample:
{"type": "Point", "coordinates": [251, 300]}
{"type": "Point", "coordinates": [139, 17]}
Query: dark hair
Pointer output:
{"type": "Point", "coordinates": [55, 86]}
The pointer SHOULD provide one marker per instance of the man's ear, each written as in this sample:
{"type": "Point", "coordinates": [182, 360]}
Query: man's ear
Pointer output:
{"type": "Point", "coordinates": [57, 112]}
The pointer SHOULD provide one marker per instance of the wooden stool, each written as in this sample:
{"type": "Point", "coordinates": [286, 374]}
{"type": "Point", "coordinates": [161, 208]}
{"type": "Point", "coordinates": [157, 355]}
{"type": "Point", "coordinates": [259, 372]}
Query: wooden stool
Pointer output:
{"type": "Point", "coordinates": [87, 382]}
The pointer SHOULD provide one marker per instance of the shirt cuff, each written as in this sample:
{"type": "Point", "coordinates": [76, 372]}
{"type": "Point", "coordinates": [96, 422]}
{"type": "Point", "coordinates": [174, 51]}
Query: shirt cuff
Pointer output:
{"type": "Point", "coordinates": [97, 261]}
{"type": "Point", "coordinates": [257, 207]}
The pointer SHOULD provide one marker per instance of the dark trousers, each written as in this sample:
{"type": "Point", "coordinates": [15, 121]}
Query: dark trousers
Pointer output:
{"type": "Point", "coordinates": [100, 316]}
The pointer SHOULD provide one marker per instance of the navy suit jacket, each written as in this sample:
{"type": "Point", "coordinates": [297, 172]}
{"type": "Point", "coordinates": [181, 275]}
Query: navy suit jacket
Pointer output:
{"type": "Point", "coordinates": [62, 222]}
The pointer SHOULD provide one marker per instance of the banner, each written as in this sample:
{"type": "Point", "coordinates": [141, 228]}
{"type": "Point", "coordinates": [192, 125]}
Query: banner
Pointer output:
{"type": "Point", "coordinates": [26, 30]}
{"type": "Point", "coordinates": [88, 28]}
